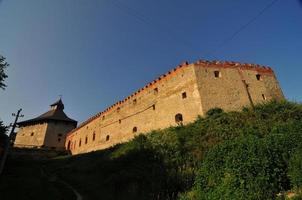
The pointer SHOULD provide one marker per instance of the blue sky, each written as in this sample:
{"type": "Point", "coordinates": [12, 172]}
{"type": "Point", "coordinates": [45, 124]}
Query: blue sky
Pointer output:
{"type": "Point", "coordinates": [97, 52]}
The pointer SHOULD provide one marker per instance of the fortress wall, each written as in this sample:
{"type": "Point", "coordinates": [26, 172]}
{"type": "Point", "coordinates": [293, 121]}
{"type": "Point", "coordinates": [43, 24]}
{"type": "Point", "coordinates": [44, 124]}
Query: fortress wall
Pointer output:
{"type": "Point", "coordinates": [31, 135]}
{"type": "Point", "coordinates": [235, 86]}
{"type": "Point", "coordinates": [228, 91]}
{"type": "Point", "coordinates": [138, 111]}
{"type": "Point", "coordinates": [56, 134]}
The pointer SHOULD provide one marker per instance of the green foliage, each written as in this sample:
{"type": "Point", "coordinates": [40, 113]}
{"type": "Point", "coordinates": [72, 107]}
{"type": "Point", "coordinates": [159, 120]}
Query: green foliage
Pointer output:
{"type": "Point", "coordinates": [3, 136]}
{"type": "Point", "coordinates": [248, 167]}
{"type": "Point", "coordinates": [3, 75]}
{"type": "Point", "coordinates": [224, 155]}
{"type": "Point", "coordinates": [295, 170]}
{"type": "Point", "coordinates": [3, 128]}
{"type": "Point", "coordinates": [214, 111]}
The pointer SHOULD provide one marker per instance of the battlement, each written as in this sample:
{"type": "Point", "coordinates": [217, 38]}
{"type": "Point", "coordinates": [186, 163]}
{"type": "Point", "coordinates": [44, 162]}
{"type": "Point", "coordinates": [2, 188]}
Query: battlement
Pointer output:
{"type": "Point", "coordinates": [153, 84]}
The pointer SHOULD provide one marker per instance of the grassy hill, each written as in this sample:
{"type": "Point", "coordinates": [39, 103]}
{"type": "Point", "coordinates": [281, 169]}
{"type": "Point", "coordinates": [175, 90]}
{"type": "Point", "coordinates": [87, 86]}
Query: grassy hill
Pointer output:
{"type": "Point", "coordinates": [252, 154]}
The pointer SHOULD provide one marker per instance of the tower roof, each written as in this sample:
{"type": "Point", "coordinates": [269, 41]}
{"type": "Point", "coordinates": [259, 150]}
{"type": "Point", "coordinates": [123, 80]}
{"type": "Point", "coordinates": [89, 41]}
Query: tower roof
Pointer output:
{"type": "Point", "coordinates": [56, 113]}
{"type": "Point", "coordinates": [58, 104]}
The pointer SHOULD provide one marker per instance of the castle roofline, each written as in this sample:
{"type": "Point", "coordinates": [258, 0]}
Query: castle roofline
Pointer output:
{"type": "Point", "coordinates": [56, 113]}
{"type": "Point", "coordinates": [201, 63]}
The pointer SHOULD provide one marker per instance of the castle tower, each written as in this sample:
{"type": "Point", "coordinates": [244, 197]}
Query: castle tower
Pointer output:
{"type": "Point", "coordinates": [47, 130]}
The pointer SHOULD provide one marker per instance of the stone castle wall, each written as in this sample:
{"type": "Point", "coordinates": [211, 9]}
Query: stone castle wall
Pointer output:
{"type": "Point", "coordinates": [31, 135]}
{"type": "Point", "coordinates": [178, 96]}
{"type": "Point", "coordinates": [43, 135]}
{"type": "Point", "coordinates": [56, 134]}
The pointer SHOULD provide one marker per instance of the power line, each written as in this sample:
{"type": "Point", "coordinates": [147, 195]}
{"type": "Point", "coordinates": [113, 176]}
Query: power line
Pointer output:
{"type": "Point", "coordinates": [144, 19]}
{"type": "Point", "coordinates": [141, 17]}
{"type": "Point", "coordinates": [243, 27]}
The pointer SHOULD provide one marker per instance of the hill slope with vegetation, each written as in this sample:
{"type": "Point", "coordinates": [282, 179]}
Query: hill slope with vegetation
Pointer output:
{"type": "Point", "coordinates": [252, 154]}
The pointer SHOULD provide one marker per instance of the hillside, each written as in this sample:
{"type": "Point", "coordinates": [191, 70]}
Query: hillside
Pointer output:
{"type": "Point", "coordinates": [252, 154]}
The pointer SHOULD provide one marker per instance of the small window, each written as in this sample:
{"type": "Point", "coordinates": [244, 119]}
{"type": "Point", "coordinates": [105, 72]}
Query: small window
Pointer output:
{"type": "Point", "coordinates": [178, 118]}
{"type": "Point", "coordinates": [32, 134]}
{"type": "Point", "coordinates": [263, 97]}
{"type": "Point", "coordinates": [118, 109]}
{"type": "Point", "coordinates": [134, 130]}
{"type": "Point", "coordinates": [155, 90]}
{"type": "Point", "coordinates": [134, 101]}
{"type": "Point", "coordinates": [69, 145]}
{"type": "Point", "coordinates": [80, 143]}
{"type": "Point", "coordinates": [93, 137]}
{"type": "Point", "coordinates": [59, 139]}
{"type": "Point", "coordinates": [184, 95]}
{"type": "Point", "coordinates": [86, 127]}
{"type": "Point", "coordinates": [86, 140]}
{"type": "Point", "coordinates": [107, 138]}
{"type": "Point", "coordinates": [217, 74]}
{"type": "Point", "coordinates": [153, 106]}
{"type": "Point", "coordinates": [119, 121]}
{"type": "Point", "coordinates": [258, 77]}
{"type": "Point", "coordinates": [60, 135]}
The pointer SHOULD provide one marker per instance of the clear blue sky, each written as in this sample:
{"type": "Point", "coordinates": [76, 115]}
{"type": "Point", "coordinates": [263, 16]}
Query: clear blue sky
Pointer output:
{"type": "Point", "coordinates": [95, 52]}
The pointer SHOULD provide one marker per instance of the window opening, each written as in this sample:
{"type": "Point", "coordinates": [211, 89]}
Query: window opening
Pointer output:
{"type": "Point", "coordinates": [178, 118]}
{"type": "Point", "coordinates": [134, 130]}
{"type": "Point", "coordinates": [155, 90]}
{"type": "Point", "coordinates": [217, 74]}
{"type": "Point", "coordinates": [93, 137]}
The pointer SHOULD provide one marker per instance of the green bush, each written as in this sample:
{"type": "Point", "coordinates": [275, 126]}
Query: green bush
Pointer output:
{"type": "Point", "coordinates": [224, 155]}
{"type": "Point", "coordinates": [295, 170]}
{"type": "Point", "coordinates": [249, 167]}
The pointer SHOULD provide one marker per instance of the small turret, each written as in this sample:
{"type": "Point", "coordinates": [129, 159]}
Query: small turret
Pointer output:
{"type": "Point", "coordinates": [58, 105]}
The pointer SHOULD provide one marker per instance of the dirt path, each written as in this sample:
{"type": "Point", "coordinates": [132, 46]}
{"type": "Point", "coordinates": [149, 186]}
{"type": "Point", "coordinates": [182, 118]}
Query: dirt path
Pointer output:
{"type": "Point", "coordinates": [53, 179]}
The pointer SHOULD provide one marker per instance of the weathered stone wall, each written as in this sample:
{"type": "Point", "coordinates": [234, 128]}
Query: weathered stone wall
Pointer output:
{"type": "Point", "coordinates": [43, 135]}
{"type": "Point", "coordinates": [236, 86]}
{"type": "Point", "coordinates": [56, 134]}
{"type": "Point", "coordinates": [152, 108]}
{"type": "Point", "coordinates": [31, 135]}
{"type": "Point", "coordinates": [189, 90]}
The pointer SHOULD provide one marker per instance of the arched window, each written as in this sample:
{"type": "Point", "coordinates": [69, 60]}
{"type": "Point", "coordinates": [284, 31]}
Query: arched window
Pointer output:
{"type": "Point", "coordinates": [134, 130]}
{"type": "Point", "coordinates": [93, 136]}
{"type": "Point", "coordinates": [155, 90]}
{"type": "Point", "coordinates": [178, 118]}
{"type": "Point", "coordinates": [107, 137]}
{"type": "Point", "coordinates": [258, 77]}
{"type": "Point", "coordinates": [68, 145]}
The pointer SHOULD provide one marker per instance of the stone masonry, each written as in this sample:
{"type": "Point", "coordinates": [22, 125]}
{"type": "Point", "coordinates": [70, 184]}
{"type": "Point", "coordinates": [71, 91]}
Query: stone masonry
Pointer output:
{"type": "Point", "coordinates": [177, 97]}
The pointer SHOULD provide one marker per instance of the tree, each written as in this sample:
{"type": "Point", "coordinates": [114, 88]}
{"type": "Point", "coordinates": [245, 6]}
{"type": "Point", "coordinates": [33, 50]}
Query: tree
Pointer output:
{"type": "Point", "coordinates": [3, 75]}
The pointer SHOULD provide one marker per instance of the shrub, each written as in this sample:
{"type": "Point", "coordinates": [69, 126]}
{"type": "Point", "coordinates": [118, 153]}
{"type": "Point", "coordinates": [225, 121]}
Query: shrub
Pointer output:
{"type": "Point", "coordinates": [250, 167]}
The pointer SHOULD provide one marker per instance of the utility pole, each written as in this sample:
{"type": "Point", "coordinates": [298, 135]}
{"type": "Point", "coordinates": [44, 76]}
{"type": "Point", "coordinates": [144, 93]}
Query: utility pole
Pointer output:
{"type": "Point", "coordinates": [8, 143]}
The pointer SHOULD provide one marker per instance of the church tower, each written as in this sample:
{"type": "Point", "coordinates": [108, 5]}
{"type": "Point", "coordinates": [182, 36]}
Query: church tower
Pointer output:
{"type": "Point", "coordinates": [46, 131]}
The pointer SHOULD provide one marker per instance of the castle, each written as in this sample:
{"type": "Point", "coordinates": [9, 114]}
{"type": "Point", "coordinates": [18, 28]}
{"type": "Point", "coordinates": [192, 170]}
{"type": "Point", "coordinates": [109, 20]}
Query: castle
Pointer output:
{"type": "Point", "coordinates": [177, 97]}
{"type": "Point", "coordinates": [48, 131]}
